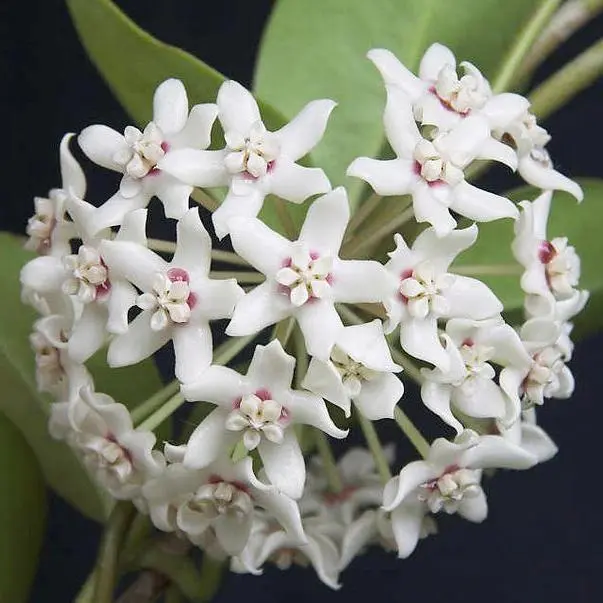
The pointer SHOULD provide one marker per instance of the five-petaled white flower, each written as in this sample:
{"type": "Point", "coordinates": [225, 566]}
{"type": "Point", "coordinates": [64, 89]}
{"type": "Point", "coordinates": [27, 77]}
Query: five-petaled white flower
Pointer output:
{"type": "Point", "coordinates": [178, 299]}
{"type": "Point", "coordinates": [360, 369]}
{"type": "Point", "coordinates": [221, 499]}
{"type": "Point", "coordinates": [432, 171]}
{"type": "Point", "coordinates": [468, 385]}
{"type": "Point", "coordinates": [447, 480]}
{"type": "Point", "coordinates": [255, 162]}
{"type": "Point", "coordinates": [304, 278]}
{"type": "Point", "coordinates": [422, 291]}
{"type": "Point", "coordinates": [137, 154]}
{"type": "Point", "coordinates": [258, 410]}
{"type": "Point", "coordinates": [439, 97]}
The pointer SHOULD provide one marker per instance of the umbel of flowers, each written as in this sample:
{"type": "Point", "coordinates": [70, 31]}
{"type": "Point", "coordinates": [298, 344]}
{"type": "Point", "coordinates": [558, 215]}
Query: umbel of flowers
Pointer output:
{"type": "Point", "coordinates": [247, 484]}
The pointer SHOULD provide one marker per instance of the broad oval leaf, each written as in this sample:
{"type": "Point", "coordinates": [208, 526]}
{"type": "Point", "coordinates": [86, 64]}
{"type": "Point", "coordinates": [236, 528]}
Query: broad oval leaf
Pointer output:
{"type": "Point", "coordinates": [134, 63]}
{"type": "Point", "coordinates": [316, 49]}
{"type": "Point", "coordinates": [581, 224]}
{"type": "Point", "coordinates": [22, 514]}
{"type": "Point", "coordinates": [29, 410]}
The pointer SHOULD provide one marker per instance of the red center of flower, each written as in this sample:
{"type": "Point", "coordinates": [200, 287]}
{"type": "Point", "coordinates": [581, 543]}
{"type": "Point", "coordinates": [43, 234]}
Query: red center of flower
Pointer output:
{"type": "Point", "coordinates": [447, 105]}
{"type": "Point", "coordinates": [179, 274]}
{"type": "Point", "coordinates": [334, 498]}
{"type": "Point", "coordinates": [433, 484]}
{"type": "Point", "coordinates": [216, 479]}
{"type": "Point", "coordinates": [104, 288]}
{"type": "Point", "coordinates": [546, 252]}
{"type": "Point", "coordinates": [403, 276]}
{"type": "Point", "coordinates": [417, 170]}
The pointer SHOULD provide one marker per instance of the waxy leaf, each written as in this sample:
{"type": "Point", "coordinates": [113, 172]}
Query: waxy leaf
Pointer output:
{"type": "Point", "coordinates": [22, 514]}
{"type": "Point", "coordinates": [134, 63]}
{"type": "Point", "coordinates": [28, 409]}
{"type": "Point", "coordinates": [316, 49]}
{"type": "Point", "coordinates": [581, 224]}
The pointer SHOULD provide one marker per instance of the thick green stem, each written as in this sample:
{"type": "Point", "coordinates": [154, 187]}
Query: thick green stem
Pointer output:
{"type": "Point", "coordinates": [285, 218]}
{"type": "Point", "coordinates": [113, 537]}
{"type": "Point", "coordinates": [512, 63]}
{"type": "Point", "coordinates": [86, 594]}
{"type": "Point", "coordinates": [329, 464]}
{"type": "Point", "coordinates": [489, 269]}
{"type": "Point", "coordinates": [205, 199]}
{"type": "Point", "coordinates": [162, 413]}
{"type": "Point", "coordinates": [410, 368]}
{"type": "Point", "coordinates": [411, 432]}
{"type": "Point", "coordinates": [243, 276]}
{"type": "Point", "coordinates": [571, 16]}
{"type": "Point", "coordinates": [363, 212]}
{"type": "Point", "coordinates": [374, 444]}
{"type": "Point", "coordinates": [151, 404]}
{"type": "Point", "coordinates": [226, 351]}
{"type": "Point", "coordinates": [571, 79]}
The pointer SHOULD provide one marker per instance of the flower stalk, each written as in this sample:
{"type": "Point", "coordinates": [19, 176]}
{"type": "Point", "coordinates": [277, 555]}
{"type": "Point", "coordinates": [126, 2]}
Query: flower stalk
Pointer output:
{"type": "Point", "coordinates": [374, 444]}
{"type": "Point", "coordinates": [411, 432]}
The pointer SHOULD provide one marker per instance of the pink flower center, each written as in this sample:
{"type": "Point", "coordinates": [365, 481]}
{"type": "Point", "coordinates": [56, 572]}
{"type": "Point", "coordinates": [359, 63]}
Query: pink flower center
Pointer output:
{"type": "Point", "coordinates": [432, 485]}
{"type": "Point", "coordinates": [179, 274]}
{"type": "Point", "coordinates": [216, 479]}
{"type": "Point", "coordinates": [546, 252]}
{"type": "Point", "coordinates": [447, 105]}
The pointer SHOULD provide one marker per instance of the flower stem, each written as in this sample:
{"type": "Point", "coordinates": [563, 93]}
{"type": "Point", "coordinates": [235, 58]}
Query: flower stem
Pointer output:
{"type": "Point", "coordinates": [364, 211]}
{"type": "Point", "coordinates": [285, 218]}
{"type": "Point", "coordinates": [86, 593]}
{"type": "Point", "coordinates": [410, 368]}
{"type": "Point", "coordinates": [161, 246]}
{"type": "Point", "coordinates": [106, 565]}
{"type": "Point", "coordinates": [162, 413]}
{"type": "Point", "coordinates": [364, 243]}
{"type": "Point", "coordinates": [374, 444]}
{"type": "Point", "coordinates": [243, 276]}
{"type": "Point", "coordinates": [283, 330]}
{"type": "Point", "coordinates": [329, 464]}
{"type": "Point", "coordinates": [571, 79]}
{"type": "Point", "coordinates": [508, 73]}
{"type": "Point", "coordinates": [489, 269]}
{"type": "Point", "coordinates": [411, 432]}
{"type": "Point", "coordinates": [151, 404]}
{"type": "Point", "coordinates": [226, 351]}
{"type": "Point", "coordinates": [205, 199]}
{"type": "Point", "coordinates": [571, 16]}
{"type": "Point", "coordinates": [228, 257]}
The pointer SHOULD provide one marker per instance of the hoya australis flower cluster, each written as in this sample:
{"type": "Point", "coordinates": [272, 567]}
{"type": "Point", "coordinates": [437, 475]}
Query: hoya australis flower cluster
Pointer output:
{"type": "Point", "coordinates": [243, 484]}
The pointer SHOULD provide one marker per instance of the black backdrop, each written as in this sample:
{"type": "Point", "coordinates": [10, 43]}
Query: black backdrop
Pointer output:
{"type": "Point", "coordinates": [543, 539]}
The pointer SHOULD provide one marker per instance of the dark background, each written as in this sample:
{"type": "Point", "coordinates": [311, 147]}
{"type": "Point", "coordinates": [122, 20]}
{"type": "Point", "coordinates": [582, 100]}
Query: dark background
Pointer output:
{"type": "Point", "coordinates": [542, 540]}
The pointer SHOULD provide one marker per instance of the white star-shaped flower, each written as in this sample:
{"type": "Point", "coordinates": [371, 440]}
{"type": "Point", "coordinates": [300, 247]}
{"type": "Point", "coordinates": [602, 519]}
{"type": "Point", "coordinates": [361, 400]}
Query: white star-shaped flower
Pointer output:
{"type": "Point", "coordinates": [258, 410]}
{"type": "Point", "coordinates": [552, 267]}
{"type": "Point", "coordinates": [468, 385]}
{"type": "Point", "coordinates": [178, 299]}
{"type": "Point", "coordinates": [137, 154]}
{"type": "Point", "coordinates": [304, 278]}
{"type": "Point", "coordinates": [99, 303]}
{"type": "Point", "coordinates": [220, 498]}
{"type": "Point", "coordinates": [432, 171]}
{"type": "Point", "coordinates": [423, 291]}
{"type": "Point", "coordinates": [440, 97]}
{"type": "Point", "coordinates": [255, 162]}
{"type": "Point", "coordinates": [447, 480]}
{"type": "Point", "coordinates": [359, 369]}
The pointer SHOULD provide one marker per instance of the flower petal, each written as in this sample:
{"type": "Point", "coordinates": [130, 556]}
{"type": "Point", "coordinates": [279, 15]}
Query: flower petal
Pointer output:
{"type": "Point", "coordinates": [209, 440]}
{"type": "Point", "coordinates": [387, 177]}
{"type": "Point", "coordinates": [325, 222]}
{"type": "Point", "coordinates": [400, 126]}
{"type": "Point", "coordinates": [232, 533]}
{"type": "Point", "coordinates": [284, 464]}
{"type": "Point", "coordinates": [435, 57]}
{"type": "Point", "coordinates": [419, 338]}
{"type": "Point", "coordinates": [323, 379]}
{"type": "Point", "coordinates": [358, 535]}
{"type": "Point", "coordinates": [436, 396]}
{"type": "Point", "coordinates": [358, 281]}
{"type": "Point", "coordinates": [44, 274]}
{"type": "Point", "coordinates": [379, 396]}
{"type": "Point", "coordinates": [395, 73]}
{"type": "Point", "coordinates": [195, 167]}
{"type": "Point", "coordinates": [101, 143]}
{"type": "Point", "coordinates": [296, 183]}
{"type": "Point", "coordinates": [261, 307]}
{"type": "Point", "coordinates": [193, 249]}
{"type": "Point", "coordinates": [429, 208]}
{"type": "Point", "coordinates": [442, 250]}
{"type": "Point", "coordinates": [193, 349]}
{"type": "Point", "coordinates": [470, 298]}
{"type": "Point", "coordinates": [89, 333]}
{"type": "Point", "coordinates": [170, 106]}
{"type": "Point", "coordinates": [480, 398]}
{"type": "Point", "coordinates": [474, 508]}
{"type": "Point", "coordinates": [284, 510]}
{"type": "Point", "coordinates": [406, 524]}
{"type": "Point", "coordinates": [237, 109]}
{"type": "Point", "coordinates": [401, 486]}
{"type": "Point", "coordinates": [138, 343]}
{"type": "Point", "coordinates": [494, 451]}
{"type": "Point", "coordinates": [73, 179]}
{"type": "Point", "coordinates": [196, 133]}
{"type": "Point", "coordinates": [537, 442]}
{"type": "Point", "coordinates": [366, 343]}
{"type": "Point", "coordinates": [502, 109]}
{"type": "Point", "coordinates": [217, 298]}
{"type": "Point", "coordinates": [308, 409]}
{"type": "Point", "coordinates": [480, 205]}
{"type": "Point", "coordinates": [304, 131]}
{"type": "Point", "coordinates": [247, 205]}
{"type": "Point", "coordinates": [271, 368]}
{"type": "Point", "coordinates": [111, 213]}
{"type": "Point", "coordinates": [170, 191]}
{"type": "Point", "coordinates": [545, 177]}
{"type": "Point", "coordinates": [263, 248]}
{"type": "Point", "coordinates": [217, 384]}
{"type": "Point", "coordinates": [320, 325]}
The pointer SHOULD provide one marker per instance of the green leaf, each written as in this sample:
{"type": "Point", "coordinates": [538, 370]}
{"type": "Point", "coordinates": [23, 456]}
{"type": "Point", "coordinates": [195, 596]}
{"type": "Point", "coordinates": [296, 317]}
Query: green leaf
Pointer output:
{"type": "Point", "coordinates": [29, 410]}
{"type": "Point", "coordinates": [134, 63]}
{"type": "Point", "coordinates": [579, 223]}
{"type": "Point", "coordinates": [316, 49]}
{"type": "Point", "coordinates": [22, 514]}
